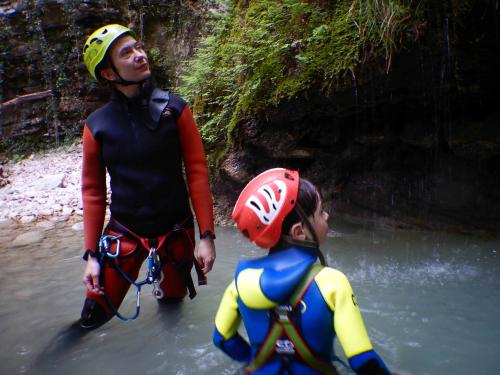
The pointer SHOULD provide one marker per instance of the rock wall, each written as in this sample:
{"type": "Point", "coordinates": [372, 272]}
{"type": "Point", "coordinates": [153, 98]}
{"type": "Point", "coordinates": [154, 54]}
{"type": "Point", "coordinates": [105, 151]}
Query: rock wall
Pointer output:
{"type": "Point", "coordinates": [418, 146]}
{"type": "Point", "coordinates": [40, 52]}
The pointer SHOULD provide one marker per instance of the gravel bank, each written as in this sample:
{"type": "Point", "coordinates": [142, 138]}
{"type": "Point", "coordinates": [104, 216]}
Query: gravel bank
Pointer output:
{"type": "Point", "coordinates": [43, 189]}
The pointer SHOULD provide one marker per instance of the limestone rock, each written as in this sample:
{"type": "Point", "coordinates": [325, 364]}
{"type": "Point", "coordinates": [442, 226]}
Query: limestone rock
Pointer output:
{"type": "Point", "coordinates": [28, 238]}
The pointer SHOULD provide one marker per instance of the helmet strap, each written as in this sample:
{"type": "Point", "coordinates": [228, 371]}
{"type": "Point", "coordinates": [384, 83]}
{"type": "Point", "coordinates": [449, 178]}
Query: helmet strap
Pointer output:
{"type": "Point", "coordinates": [307, 223]}
{"type": "Point", "coordinates": [312, 244]}
{"type": "Point", "coordinates": [123, 81]}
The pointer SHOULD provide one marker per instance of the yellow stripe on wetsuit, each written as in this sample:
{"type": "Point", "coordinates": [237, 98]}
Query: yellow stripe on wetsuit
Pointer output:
{"type": "Point", "coordinates": [249, 290]}
{"type": "Point", "coordinates": [347, 320]}
{"type": "Point", "coordinates": [228, 319]}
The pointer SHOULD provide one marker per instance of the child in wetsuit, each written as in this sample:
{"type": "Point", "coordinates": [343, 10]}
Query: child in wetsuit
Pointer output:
{"type": "Point", "coordinates": [292, 307]}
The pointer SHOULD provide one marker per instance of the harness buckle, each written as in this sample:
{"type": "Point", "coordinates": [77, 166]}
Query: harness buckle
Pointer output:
{"type": "Point", "coordinates": [285, 346]}
{"type": "Point", "coordinates": [282, 311]}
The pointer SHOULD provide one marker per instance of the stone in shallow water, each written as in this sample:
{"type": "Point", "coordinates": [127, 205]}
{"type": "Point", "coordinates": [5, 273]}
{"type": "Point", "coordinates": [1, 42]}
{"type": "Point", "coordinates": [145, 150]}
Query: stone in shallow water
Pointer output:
{"type": "Point", "coordinates": [28, 238]}
{"type": "Point", "coordinates": [27, 219]}
{"type": "Point", "coordinates": [59, 218]}
{"type": "Point", "coordinates": [78, 226]}
{"type": "Point", "coordinates": [4, 223]}
{"type": "Point", "coordinates": [45, 224]}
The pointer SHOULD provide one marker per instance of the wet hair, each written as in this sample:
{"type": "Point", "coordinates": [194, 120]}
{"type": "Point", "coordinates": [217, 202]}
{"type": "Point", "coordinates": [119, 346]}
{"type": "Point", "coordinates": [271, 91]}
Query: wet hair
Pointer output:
{"type": "Point", "coordinates": [309, 198]}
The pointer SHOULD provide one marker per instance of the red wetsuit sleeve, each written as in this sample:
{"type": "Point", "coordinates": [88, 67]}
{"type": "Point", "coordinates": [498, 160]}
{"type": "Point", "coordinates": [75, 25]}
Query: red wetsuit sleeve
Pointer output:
{"type": "Point", "coordinates": [195, 164]}
{"type": "Point", "coordinates": [93, 190]}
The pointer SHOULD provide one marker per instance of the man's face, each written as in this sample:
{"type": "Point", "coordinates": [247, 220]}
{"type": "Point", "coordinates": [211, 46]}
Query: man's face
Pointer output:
{"type": "Point", "coordinates": [129, 59]}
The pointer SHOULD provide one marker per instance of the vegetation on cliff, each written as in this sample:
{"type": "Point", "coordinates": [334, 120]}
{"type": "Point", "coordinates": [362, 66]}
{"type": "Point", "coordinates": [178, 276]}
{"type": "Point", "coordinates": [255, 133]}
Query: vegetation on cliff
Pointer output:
{"type": "Point", "coordinates": [261, 52]}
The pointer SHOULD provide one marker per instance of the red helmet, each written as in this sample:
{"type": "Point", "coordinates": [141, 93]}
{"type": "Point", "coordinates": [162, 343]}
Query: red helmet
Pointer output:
{"type": "Point", "coordinates": [263, 205]}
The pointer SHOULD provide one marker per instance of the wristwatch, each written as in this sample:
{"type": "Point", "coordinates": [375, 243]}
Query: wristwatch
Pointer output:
{"type": "Point", "coordinates": [207, 233]}
{"type": "Point", "coordinates": [89, 253]}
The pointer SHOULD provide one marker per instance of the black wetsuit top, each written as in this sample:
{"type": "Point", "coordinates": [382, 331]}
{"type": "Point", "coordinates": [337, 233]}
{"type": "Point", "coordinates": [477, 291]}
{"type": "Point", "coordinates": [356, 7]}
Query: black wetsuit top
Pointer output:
{"type": "Point", "coordinates": [144, 161]}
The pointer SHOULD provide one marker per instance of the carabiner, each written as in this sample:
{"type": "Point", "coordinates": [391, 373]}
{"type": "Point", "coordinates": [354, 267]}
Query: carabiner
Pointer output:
{"type": "Point", "coordinates": [104, 245]}
{"type": "Point", "coordinates": [157, 291]}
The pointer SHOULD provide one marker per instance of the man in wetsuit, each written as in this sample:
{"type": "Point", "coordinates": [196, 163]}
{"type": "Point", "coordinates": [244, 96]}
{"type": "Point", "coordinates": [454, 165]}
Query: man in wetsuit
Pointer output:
{"type": "Point", "coordinates": [144, 138]}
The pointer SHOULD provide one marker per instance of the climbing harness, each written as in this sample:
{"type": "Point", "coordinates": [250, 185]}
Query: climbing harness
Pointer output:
{"type": "Point", "coordinates": [154, 275]}
{"type": "Point", "coordinates": [284, 339]}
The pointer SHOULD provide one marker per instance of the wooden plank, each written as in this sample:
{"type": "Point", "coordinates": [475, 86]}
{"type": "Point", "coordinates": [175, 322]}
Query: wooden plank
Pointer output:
{"type": "Point", "coordinates": [26, 98]}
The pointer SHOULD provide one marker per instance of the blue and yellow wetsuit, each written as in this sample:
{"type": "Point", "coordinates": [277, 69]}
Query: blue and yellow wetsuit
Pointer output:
{"type": "Point", "coordinates": [328, 308]}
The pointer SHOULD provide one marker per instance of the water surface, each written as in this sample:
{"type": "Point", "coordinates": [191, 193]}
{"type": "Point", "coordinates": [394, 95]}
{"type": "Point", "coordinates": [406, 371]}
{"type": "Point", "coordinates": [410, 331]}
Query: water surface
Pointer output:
{"type": "Point", "coordinates": [431, 302]}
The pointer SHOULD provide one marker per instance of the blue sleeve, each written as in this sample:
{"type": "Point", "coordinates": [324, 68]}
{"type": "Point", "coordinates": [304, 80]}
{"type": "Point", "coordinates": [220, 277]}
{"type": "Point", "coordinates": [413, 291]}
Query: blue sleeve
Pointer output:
{"type": "Point", "coordinates": [236, 347]}
{"type": "Point", "coordinates": [368, 363]}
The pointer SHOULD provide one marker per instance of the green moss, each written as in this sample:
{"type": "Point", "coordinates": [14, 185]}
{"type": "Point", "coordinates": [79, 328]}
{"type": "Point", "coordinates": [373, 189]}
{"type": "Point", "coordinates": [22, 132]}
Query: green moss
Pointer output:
{"type": "Point", "coordinates": [262, 52]}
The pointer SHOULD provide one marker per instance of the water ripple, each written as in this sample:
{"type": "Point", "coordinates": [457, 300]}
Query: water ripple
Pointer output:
{"type": "Point", "coordinates": [425, 273]}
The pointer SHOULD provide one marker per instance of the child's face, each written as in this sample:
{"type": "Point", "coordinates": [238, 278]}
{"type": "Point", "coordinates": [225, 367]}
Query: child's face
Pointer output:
{"type": "Point", "coordinates": [319, 222]}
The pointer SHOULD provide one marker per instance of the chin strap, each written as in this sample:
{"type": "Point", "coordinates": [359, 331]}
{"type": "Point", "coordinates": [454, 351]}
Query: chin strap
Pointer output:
{"type": "Point", "coordinates": [310, 244]}
{"type": "Point", "coordinates": [123, 81]}
{"type": "Point", "coordinates": [307, 223]}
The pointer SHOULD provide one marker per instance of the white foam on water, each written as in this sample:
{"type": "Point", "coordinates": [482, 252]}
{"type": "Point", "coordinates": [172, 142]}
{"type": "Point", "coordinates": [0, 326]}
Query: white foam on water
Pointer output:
{"type": "Point", "coordinates": [425, 273]}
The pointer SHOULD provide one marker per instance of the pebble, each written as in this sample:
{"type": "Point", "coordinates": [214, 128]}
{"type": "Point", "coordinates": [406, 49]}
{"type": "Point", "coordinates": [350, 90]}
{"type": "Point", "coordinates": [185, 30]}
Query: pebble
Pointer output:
{"type": "Point", "coordinates": [78, 227]}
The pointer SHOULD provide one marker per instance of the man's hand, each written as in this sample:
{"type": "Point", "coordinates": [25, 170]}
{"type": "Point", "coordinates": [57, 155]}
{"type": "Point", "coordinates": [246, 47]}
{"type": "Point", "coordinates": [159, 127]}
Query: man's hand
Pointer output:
{"type": "Point", "coordinates": [206, 254]}
{"type": "Point", "coordinates": [91, 276]}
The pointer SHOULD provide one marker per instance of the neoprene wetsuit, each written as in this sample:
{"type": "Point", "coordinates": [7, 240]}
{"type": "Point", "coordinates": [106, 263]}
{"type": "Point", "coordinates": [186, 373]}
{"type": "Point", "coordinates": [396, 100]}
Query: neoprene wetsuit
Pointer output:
{"type": "Point", "coordinates": [327, 308]}
{"type": "Point", "coordinates": [144, 153]}
{"type": "Point", "coordinates": [144, 161]}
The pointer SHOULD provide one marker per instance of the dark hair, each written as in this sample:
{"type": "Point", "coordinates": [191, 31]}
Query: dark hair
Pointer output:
{"type": "Point", "coordinates": [308, 197]}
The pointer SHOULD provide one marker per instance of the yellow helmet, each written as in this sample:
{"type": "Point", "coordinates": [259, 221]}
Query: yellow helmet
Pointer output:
{"type": "Point", "coordinates": [98, 43]}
